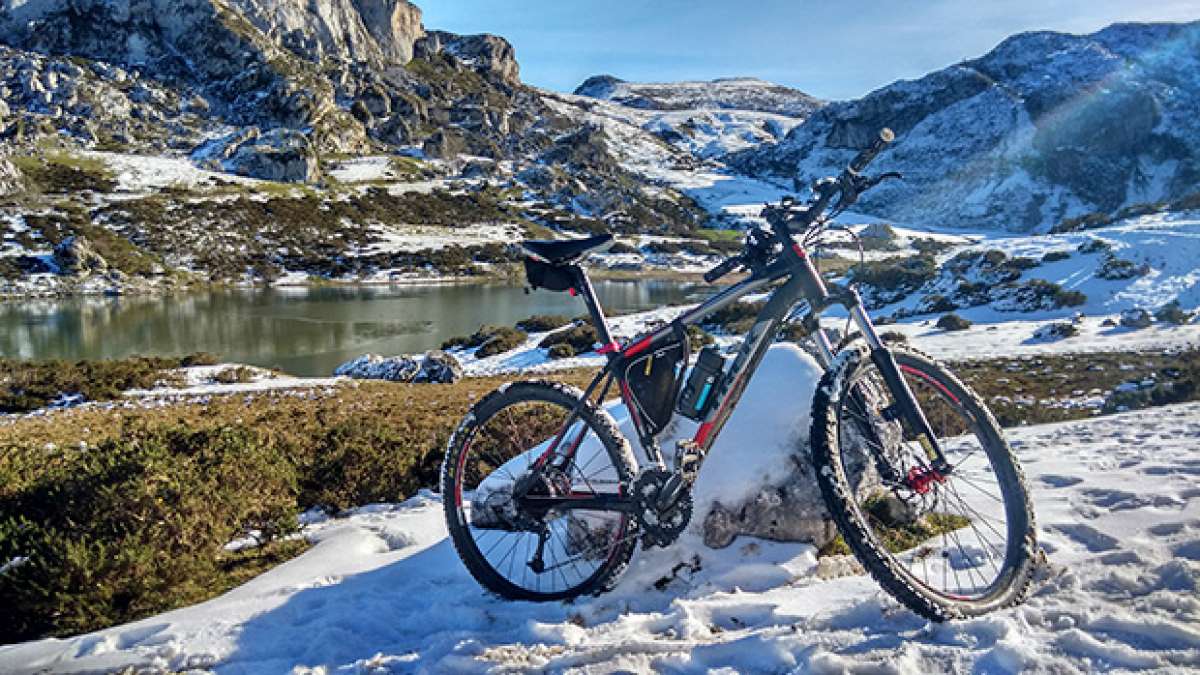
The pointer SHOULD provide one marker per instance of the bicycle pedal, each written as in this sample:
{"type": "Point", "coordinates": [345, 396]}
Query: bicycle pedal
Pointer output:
{"type": "Point", "coordinates": [688, 458]}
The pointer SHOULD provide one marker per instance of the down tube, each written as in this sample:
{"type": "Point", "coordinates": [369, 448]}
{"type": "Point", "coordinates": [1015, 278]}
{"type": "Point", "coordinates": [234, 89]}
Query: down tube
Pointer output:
{"type": "Point", "coordinates": [753, 349]}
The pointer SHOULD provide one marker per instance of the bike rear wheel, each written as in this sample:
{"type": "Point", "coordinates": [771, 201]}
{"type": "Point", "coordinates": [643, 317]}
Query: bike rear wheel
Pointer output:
{"type": "Point", "coordinates": [948, 546]}
{"type": "Point", "coordinates": [510, 544]}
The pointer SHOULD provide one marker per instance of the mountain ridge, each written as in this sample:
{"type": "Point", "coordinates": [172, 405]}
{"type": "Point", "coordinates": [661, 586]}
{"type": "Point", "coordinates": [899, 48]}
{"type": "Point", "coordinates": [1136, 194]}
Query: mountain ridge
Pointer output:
{"type": "Point", "coordinates": [1043, 127]}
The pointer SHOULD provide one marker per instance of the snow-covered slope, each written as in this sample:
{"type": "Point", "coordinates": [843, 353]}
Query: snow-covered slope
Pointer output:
{"type": "Point", "coordinates": [382, 591]}
{"type": "Point", "coordinates": [1045, 126]}
{"type": "Point", "coordinates": [739, 93]}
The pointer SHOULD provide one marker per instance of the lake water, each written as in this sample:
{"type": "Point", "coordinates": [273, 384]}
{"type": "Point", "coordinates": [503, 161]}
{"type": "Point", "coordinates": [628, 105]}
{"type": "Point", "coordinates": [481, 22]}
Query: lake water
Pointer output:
{"type": "Point", "coordinates": [304, 331]}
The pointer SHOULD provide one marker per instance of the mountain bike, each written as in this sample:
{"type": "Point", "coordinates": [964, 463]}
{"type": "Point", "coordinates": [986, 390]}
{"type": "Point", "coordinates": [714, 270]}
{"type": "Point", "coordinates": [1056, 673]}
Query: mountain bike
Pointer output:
{"type": "Point", "coordinates": [545, 500]}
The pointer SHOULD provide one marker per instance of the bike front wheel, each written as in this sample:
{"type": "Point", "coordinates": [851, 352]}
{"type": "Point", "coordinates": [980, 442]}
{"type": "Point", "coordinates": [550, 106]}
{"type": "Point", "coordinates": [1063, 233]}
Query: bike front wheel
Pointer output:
{"type": "Point", "coordinates": [947, 546]}
{"type": "Point", "coordinates": [532, 493]}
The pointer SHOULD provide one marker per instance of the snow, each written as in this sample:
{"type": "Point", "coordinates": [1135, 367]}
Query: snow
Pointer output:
{"type": "Point", "coordinates": [382, 591]}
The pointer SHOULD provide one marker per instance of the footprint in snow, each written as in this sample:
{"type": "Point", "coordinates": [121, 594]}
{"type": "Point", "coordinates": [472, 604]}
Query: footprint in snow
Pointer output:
{"type": "Point", "coordinates": [1089, 537]}
{"type": "Point", "coordinates": [1057, 481]}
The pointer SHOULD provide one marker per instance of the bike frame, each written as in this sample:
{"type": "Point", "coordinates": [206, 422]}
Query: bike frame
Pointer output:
{"type": "Point", "coordinates": [802, 296]}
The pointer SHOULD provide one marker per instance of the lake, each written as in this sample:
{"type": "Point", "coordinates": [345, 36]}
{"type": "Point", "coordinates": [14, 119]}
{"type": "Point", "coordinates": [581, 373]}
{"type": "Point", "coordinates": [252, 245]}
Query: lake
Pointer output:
{"type": "Point", "coordinates": [303, 331]}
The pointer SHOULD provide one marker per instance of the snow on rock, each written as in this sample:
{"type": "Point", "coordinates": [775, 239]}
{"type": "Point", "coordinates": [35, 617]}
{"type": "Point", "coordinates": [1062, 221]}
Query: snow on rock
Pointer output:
{"type": "Point", "coordinates": [376, 367]}
{"type": "Point", "coordinates": [382, 591]}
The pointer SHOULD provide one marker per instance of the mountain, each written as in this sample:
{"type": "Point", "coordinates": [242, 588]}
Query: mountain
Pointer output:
{"type": "Point", "coordinates": [1046, 126]}
{"type": "Point", "coordinates": [744, 93]}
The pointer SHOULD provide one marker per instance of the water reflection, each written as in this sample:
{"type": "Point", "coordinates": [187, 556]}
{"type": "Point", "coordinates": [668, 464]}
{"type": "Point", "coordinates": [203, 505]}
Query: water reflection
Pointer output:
{"type": "Point", "coordinates": [307, 331]}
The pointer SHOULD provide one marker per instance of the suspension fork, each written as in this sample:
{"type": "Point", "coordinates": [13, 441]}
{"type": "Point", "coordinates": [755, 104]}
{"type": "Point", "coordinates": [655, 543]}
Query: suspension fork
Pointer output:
{"type": "Point", "coordinates": [908, 410]}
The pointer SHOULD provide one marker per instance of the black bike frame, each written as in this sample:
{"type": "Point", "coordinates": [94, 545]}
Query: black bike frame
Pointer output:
{"type": "Point", "coordinates": [803, 296]}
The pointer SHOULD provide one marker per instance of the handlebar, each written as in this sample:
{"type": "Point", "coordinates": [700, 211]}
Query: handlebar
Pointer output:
{"type": "Point", "coordinates": [789, 218]}
{"type": "Point", "coordinates": [727, 265]}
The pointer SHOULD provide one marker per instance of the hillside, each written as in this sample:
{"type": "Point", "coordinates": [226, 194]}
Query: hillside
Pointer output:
{"type": "Point", "coordinates": [1045, 127]}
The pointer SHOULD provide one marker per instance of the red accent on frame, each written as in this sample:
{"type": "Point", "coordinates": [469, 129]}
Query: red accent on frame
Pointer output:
{"type": "Point", "coordinates": [609, 348]}
{"type": "Point", "coordinates": [913, 371]}
{"type": "Point", "coordinates": [572, 291]}
{"type": "Point", "coordinates": [800, 250]}
{"type": "Point", "coordinates": [639, 346]}
{"type": "Point", "coordinates": [702, 434]}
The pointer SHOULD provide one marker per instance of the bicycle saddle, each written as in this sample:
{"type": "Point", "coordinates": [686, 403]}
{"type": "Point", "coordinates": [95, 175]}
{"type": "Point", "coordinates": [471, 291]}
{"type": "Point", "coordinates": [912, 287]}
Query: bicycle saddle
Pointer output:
{"type": "Point", "coordinates": [566, 250]}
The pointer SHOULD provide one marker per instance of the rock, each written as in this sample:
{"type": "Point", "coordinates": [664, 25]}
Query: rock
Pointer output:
{"type": "Point", "coordinates": [795, 512]}
{"type": "Point", "coordinates": [879, 232]}
{"type": "Point", "coordinates": [953, 322]}
{"type": "Point", "coordinates": [75, 255]}
{"type": "Point", "coordinates": [395, 26]}
{"type": "Point", "coordinates": [282, 155]}
{"type": "Point", "coordinates": [444, 144]}
{"type": "Point", "coordinates": [1056, 331]}
{"type": "Point", "coordinates": [438, 367]}
{"type": "Point", "coordinates": [486, 54]}
{"type": "Point", "coordinates": [376, 367]}
{"type": "Point", "coordinates": [1136, 318]}
{"type": "Point", "coordinates": [10, 176]}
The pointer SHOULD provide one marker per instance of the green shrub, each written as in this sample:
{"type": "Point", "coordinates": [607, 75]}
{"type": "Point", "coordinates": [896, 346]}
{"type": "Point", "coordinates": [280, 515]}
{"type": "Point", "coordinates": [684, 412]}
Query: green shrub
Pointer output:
{"type": "Point", "coordinates": [134, 526]}
{"type": "Point", "coordinates": [896, 276]}
{"type": "Point", "coordinates": [1094, 246]}
{"type": "Point", "coordinates": [1055, 256]}
{"type": "Point", "coordinates": [1173, 313]}
{"type": "Point", "coordinates": [541, 323]}
{"type": "Point", "coordinates": [490, 340]}
{"type": "Point", "coordinates": [234, 375]}
{"type": "Point", "coordinates": [30, 385]}
{"type": "Point", "coordinates": [698, 338]}
{"type": "Point", "coordinates": [953, 322]}
{"type": "Point", "coordinates": [622, 247]}
{"type": "Point", "coordinates": [561, 350]}
{"type": "Point", "coordinates": [735, 318]}
{"type": "Point", "coordinates": [581, 338]}
{"type": "Point", "coordinates": [1118, 269]}
{"type": "Point", "coordinates": [502, 340]}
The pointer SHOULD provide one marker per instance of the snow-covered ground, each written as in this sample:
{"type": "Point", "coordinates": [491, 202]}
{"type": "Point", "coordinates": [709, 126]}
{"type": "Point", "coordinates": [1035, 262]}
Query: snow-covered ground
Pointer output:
{"type": "Point", "coordinates": [382, 591]}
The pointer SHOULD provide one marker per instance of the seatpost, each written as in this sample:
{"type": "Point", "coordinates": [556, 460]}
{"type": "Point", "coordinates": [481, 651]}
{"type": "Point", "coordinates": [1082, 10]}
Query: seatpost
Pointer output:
{"type": "Point", "coordinates": [584, 286]}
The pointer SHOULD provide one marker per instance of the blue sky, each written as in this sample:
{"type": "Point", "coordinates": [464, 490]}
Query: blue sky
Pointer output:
{"type": "Point", "coordinates": [829, 49]}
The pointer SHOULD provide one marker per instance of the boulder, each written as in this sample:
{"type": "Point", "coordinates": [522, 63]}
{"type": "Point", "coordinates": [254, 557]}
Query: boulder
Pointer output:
{"type": "Point", "coordinates": [282, 155]}
{"type": "Point", "coordinates": [75, 255]}
{"type": "Point", "coordinates": [376, 367]}
{"type": "Point", "coordinates": [1136, 318]}
{"type": "Point", "coordinates": [438, 367]}
{"type": "Point", "coordinates": [10, 176]}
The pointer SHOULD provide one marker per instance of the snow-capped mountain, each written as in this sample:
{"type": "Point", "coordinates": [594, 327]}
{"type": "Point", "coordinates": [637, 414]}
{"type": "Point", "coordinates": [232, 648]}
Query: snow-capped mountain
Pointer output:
{"type": "Point", "coordinates": [1044, 127]}
{"type": "Point", "coordinates": [740, 93]}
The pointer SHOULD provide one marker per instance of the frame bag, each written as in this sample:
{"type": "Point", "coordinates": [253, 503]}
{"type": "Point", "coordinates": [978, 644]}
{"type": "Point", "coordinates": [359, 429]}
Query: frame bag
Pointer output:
{"type": "Point", "coordinates": [654, 380]}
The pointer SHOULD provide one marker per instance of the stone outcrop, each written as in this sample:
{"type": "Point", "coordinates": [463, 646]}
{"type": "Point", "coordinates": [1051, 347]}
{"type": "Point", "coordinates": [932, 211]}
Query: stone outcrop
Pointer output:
{"type": "Point", "coordinates": [377, 31]}
{"type": "Point", "coordinates": [486, 54]}
{"type": "Point", "coordinates": [10, 176]}
{"type": "Point", "coordinates": [75, 255]}
{"type": "Point", "coordinates": [376, 367]}
{"type": "Point", "coordinates": [281, 155]}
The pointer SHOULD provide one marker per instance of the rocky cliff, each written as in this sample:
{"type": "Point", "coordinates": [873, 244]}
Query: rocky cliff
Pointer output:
{"type": "Point", "coordinates": [1044, 127]}
{"type": "Point", "coordinates": [743, 93]}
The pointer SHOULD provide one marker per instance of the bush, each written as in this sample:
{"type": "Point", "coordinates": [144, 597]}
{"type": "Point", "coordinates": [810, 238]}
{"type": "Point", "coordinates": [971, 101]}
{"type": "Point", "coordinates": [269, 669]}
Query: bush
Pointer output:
{"type": "Point", "coordinates": [953, 322]}
{"type": "Point", "coordinates": [893, 336]}
{"type": "Point", "coordinates": [582, 339]}
{"type": "Point", "coordinates": [622, 247]}
{"type": "Point", "coordinates": [1056, 331]}
{"type": "Point", "coordinates": [540, 323]}
{"type": "Point", "coordinates": [561, 350]}
{"type": "Point", "coordinates": [1117, 269]}
{"type": "Point", "coordinates": [30, 385]}
{"type": "Point", "coordinates": [490, 340]}
{"type": "Point", "coordinates": [894, 278]}
{"type": "Point", "coordinates": [1173, 313]}
{"type": "Point", "coordinates": [1094, 246]}
{"type": "Point", "coordinates": [735, 318]}
{"type": "Point", "coordinates": [1055, 256]}
{"type": "Point", "coordinates": [234, 375]}
{"type": "Point", "coordinates": [134, 526]}
{"type": "Point", "coordinates": [698, 338]}
{"type": "Point", "coordinates": [502, 340]}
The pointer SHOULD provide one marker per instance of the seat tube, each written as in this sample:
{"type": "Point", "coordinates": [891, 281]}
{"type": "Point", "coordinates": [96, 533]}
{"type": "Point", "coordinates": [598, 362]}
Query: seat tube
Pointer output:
{"type": "Point", "coordinates": [584, 286]}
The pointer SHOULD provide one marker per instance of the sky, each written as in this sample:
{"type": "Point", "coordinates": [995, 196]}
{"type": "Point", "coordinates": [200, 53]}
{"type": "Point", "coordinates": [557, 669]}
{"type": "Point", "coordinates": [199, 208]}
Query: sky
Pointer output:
{"type": "Point", "coordinates": [833, 50]}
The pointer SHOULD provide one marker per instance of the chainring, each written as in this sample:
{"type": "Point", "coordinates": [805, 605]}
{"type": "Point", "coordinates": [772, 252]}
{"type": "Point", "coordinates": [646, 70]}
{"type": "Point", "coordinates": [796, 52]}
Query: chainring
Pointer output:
{"type": "Point", "coordinates": [660, 527]}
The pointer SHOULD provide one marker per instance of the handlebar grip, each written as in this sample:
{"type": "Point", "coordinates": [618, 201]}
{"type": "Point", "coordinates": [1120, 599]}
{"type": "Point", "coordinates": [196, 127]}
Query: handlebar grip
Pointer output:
{"type": "Point", "coordinates": [721, 270]}
{"type": "Point", "coordinates": [865, 157]}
